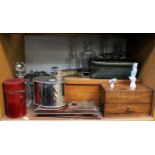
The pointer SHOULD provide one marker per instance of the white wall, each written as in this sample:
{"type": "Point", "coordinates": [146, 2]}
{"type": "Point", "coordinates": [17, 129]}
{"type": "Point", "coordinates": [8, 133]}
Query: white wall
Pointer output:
{"type": "Point", "coordinates": [43, 52]}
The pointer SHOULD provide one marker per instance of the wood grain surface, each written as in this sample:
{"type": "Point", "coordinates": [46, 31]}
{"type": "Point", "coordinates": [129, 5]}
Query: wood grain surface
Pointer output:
{"type": "Point", "coordinates": [122, 94]}
{"type": "Point", "coordinates": [121, 101]}
{"type": "Point", "coordinates": [82, 93]}
{"type": "Point", "coordinates": [85, 81]}
{"type": "Point", "coordinates": [80, 89]}
{"type": "Point", "coordinates": [127, 109]}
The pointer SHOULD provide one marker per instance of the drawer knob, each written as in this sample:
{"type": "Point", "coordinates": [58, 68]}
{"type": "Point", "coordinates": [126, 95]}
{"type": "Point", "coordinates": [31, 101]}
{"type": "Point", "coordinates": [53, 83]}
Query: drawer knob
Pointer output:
{"type": "Point", "coordinates": [128, 109]}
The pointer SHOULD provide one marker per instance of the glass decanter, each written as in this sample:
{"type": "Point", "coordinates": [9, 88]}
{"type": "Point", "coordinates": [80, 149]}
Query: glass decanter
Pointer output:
{"type": "Point", "coordinates": [73, 60]}
{"type": "Point", "coordinates": [87, 55]}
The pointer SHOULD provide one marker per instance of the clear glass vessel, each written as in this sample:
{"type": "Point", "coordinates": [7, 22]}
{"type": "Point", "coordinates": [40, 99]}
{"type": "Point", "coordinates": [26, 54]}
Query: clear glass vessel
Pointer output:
{"type": "Point", "coordinates": [20, 69]}
{"type": "Point", "coordinates": [87, 55]}
{"type": "Point", "coordinates": [73, 60]}
{"type": "Point", "coordinates": [29, 88]}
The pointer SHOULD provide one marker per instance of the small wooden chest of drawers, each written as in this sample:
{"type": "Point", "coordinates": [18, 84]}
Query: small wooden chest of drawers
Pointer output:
{"type": "Point", "coordinates": [121, 101]}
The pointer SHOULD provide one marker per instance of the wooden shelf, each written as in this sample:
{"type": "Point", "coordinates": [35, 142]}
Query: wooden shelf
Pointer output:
{"type": "Point", "coordinates": [86, 81]}
{"type": "Point", "coordinates": [30, 116]}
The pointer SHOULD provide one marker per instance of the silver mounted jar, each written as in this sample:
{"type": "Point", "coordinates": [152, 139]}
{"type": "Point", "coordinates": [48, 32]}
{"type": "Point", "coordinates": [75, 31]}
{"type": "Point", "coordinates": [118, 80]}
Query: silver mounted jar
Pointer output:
{"type": "Point", "coordinates": [48, 90]}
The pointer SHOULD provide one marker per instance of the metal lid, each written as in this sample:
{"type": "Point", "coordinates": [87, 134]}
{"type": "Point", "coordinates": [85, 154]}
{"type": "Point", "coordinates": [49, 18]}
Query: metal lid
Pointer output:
{"type": "Point", "coordinates": [44, 79]}
{"type": "Point", "coordinates": [14, 84]}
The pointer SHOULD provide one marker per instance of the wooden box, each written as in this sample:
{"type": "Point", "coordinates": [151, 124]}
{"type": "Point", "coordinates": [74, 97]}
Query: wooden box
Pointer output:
{"type": "Point", "coordinates": [121, 101]}
{"type": "Point", "coordinates": [85, 89]}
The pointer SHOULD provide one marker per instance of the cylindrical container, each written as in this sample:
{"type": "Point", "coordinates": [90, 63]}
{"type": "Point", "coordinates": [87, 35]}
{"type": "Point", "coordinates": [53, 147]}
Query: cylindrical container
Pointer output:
{"type": "Point", "coordinates": [29, 88]}
{"type": "Point", "coordinates": [48, 91]}
{"type": "Point", "coordinates": [28, 92]}
{"type": "Point", "coordinates": [15, 103]}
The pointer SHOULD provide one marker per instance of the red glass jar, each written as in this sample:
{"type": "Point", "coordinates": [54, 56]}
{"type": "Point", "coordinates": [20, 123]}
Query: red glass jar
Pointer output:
{"type": "Point", "coordinates": [15, 100]}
